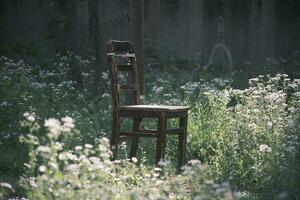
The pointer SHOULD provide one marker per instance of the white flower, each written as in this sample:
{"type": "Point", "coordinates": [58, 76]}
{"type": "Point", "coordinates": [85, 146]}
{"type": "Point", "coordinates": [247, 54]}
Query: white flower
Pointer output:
{"type": "Point", "coordinates": [68, 124]}
{"type": "Point", "coordinates": [158, 89]}
{"type": "Point", "coordinates": [157, 169]}
{"type": "Point", "coordinates": [105, 75]}
{"type": "Point", "coordinates": [43, 149]}
{"type": "Point", "coordinates": [72, 168]}
{"type": "Point", "coordinates": [95, 160]}
{"type": "Point", "coordinates": [30, 116]}
{"type": "Point", "coordinates": [104, 155]}
{"type": "Point", "coordinates": [54, 126]}
{"type": "Point", "coordinates": [253, 80]}
{"type": "Point", "coordinates": [194, 162]}
{"type": "Point", "coordinates": [269, 124]}
{"type": "Point", "coordinates": [147, 175]}
{"type": "Point", "coordinates": [78, 148]}
{"type": "Point", "coordinates": [32, 181]}
{"type": "Point", "coordinates": [67, 156]}
{"type": "Point", "coordinates": [276, 97]}
{"type": "Point", "coordinates": [163, 163]}
{"type": "Point", "coordinates": [158, 182]}
{"type": "Point", "coordinates": [104, 140]}
{"type": "Point", "coordinates": [117, 161]}
{"type": "Point", "coordinates": [256, 110]}
{"type": "Point", "coordinates": [53, 165]}
{"type": "Point", "coordinates": [102, 148]}
{"type": "Point", "coordinates": [42, 168]}
{"type": "Point", "coordinates": [88, 146]}
{"type": "Point", "coordinates": [252, 126]}
{"type": "Point", "coordinates": [62, 156]}
{"type": "Point", "coordinates": [134, 159]}
{"type": "Point", "coordinates": [58, 146]}
{"type": "Point", "coordinates": [263, 148]}
{"type": "Point", "coordinates": [123, 145]}
{"type": "Point", "coordinates": [105, 95]}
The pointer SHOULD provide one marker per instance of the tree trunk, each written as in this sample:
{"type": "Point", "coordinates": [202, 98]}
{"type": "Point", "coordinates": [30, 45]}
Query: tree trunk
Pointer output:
{"type": "Point", "coordinates": [136, 34]}
{"type": "Point", "coordinates": [74, 44]}
{"type": "Point", "coordinates": [97, 42]}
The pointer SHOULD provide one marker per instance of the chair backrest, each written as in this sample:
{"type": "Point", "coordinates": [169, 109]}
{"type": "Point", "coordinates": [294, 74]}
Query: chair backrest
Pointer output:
{"type": "Point", "coordinates": [122, 60]}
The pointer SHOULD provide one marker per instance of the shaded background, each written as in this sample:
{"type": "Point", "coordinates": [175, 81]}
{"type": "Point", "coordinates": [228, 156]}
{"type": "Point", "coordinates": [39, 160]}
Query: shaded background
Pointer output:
{"type": "Point", "coordinates": [183, 28]}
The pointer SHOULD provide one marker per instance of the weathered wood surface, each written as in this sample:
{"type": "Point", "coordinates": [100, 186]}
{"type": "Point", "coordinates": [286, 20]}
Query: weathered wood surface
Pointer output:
{"type": "Point", "coordinates": [154, 108]}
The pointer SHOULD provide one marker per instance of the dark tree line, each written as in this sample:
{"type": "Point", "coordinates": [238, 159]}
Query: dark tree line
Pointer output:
{"type": "Point", "coordinates": [80, 26]}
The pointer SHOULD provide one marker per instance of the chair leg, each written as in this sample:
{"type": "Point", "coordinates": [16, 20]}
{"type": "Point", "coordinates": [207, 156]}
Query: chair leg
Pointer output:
{"type": "Point", "coordinates": [161, 138]}
{"type": "Point", "coordinates": [182, 141]}
{"type": "Point", "coordinates": [135, 140]}
{"type": "Point", "coordinates": [115, 136]}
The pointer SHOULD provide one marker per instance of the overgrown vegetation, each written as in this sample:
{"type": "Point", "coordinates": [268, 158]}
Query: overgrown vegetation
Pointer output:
{"type": "Point", "coordinates": [242, 143]}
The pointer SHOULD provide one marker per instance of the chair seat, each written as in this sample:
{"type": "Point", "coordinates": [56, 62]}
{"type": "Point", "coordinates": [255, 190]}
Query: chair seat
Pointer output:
{"type": "Point", "coordinates": [155, 108]}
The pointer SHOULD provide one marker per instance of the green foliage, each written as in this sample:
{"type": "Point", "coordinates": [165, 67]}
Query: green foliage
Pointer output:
{"type": "Point", "coordinates": [50, 91]}
{"type": "Point", "coordinates": [20, 48]}
{"type": "Point", "coordinates": [245, 136]}
{"type": "Point", "coordinates": [86, 171]}
{"type": "Point", "coordinates": [247, 140]}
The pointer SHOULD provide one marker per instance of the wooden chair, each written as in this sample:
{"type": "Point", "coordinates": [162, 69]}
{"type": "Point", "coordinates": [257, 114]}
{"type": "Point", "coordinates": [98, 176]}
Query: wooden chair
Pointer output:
{"type": "Point", "coordinates": [121, 58]}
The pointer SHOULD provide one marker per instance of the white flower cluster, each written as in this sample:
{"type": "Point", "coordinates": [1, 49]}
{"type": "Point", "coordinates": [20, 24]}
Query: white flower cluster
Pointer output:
{"type": "Point", "coordinates": [276, 97]}
{"type": "Point", "coordinates": [264, 148]}
{"type": "Point", "coordinates": [56, 128]}
{"type": "Point", "coordinates": [30, 116]}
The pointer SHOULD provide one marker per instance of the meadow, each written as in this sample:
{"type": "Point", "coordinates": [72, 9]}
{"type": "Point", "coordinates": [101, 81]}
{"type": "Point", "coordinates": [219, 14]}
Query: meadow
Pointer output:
{"type": "Point", "coordinates": [243, 142]}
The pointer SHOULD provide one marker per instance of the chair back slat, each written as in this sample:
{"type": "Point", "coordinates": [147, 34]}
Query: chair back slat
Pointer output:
{"type": "Point", "coordinates": [121, 58]}
{"type": "Point", "coordinates": [121, 47]}
{"type": "Point", "coordinates": [126, 88]}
